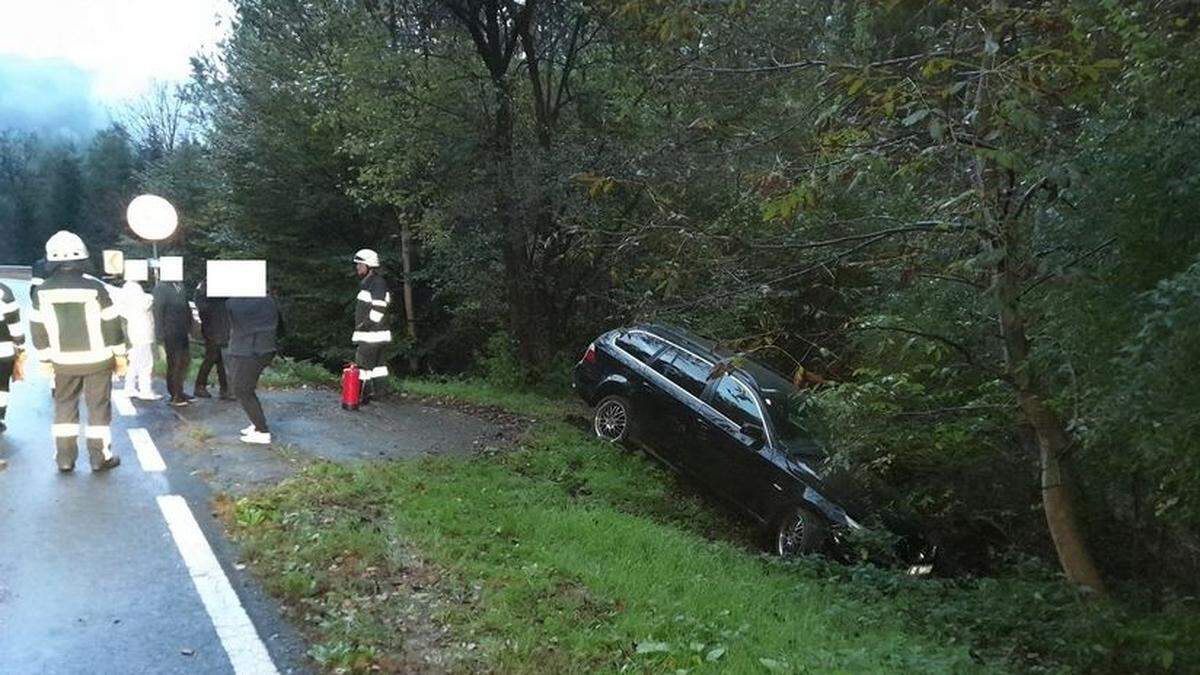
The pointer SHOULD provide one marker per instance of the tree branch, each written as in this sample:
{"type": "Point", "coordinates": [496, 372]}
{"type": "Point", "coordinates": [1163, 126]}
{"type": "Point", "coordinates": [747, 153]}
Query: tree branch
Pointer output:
{"type": "Point", "coordinates": [928, 336]}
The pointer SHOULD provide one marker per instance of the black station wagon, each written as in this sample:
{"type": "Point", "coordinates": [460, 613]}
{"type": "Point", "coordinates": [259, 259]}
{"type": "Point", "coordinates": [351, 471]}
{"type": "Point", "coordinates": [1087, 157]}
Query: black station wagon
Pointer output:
{"type": "Point", "coordinates": [727, 422]}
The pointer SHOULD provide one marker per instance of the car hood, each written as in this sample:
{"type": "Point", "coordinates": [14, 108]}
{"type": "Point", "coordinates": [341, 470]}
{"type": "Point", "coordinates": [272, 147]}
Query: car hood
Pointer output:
{"type": "Point", "coordinates": [832, 485]}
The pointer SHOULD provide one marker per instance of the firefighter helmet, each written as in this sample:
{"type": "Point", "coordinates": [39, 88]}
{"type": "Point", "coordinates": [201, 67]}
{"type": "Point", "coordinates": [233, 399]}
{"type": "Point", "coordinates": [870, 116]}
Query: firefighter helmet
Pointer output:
{"type": "Point", "coordinates": [367, 257]}
{"type": "Point", "coordinates": [65, 246]}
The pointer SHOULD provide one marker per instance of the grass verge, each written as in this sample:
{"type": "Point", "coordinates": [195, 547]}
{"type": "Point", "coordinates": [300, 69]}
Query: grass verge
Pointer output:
{"type": "Point", "coordinates": [567, 555]}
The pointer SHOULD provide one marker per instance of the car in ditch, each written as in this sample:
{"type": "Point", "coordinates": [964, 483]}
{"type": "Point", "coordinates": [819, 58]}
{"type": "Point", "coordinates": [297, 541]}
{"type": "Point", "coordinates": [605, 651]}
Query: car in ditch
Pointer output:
{"type": "Point", "coordinates": [724, 420]}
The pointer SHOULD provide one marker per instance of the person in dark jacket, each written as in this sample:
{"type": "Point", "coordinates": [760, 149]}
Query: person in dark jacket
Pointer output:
{"type": "Point", "coordinates": [254, 327]}
{"type": "Point", "coordinates": [172, 328]}
{"type": "Point", "coordinates": [214, 327]}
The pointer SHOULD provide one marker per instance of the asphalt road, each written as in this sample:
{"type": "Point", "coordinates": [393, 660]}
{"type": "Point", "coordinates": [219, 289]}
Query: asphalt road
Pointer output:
{"type": "Point", "coordinates": [108, 572]}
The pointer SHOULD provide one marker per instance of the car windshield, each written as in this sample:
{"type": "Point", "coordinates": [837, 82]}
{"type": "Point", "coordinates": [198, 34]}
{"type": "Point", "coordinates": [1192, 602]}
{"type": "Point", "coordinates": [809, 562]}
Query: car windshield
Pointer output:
{"type": "Point", "coordinates": [794, 422]}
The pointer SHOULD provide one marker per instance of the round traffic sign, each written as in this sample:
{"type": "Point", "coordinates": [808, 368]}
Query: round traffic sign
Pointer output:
{"type": "Point", "coordinates": [152, 218]}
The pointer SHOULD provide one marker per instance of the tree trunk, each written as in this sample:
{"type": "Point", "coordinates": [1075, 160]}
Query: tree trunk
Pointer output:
{"type": "Point", "coordinates": [521, 312]}
{"type": "Point", "coordinates": [1002, 234]}
{"type": "Point", "coordinates": [410, 311]}
{"type": "Point", "coordinates": [1052, 438]}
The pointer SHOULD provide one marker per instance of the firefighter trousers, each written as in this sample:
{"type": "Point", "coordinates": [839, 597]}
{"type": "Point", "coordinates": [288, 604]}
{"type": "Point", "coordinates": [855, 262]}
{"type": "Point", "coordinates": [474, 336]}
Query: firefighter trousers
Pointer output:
{"type": "Point", "coordinates": [95, 390]}
{"type": "Point", "coordinates": [6, 371]}
{"type": "Point", "coordinates": [371, 366]}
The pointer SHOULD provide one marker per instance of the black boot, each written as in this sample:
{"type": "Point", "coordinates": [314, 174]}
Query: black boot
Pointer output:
{"type": "Point", "coordinates": [201, 392]}
{"type": "Point", "coordinates": [110, 463]}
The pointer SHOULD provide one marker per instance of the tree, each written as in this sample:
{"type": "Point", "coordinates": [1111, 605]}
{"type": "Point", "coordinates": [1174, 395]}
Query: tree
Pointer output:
{"type": "Point", "coordinates": [18, 198]}
{"type": "Point", "coordinates": [158, 121]}
{"type": "Point", "coordinates": [109, 177]}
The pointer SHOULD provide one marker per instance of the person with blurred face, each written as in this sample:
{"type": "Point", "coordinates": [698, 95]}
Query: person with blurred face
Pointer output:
{"type": "Point", "coordinates": [172, 328]}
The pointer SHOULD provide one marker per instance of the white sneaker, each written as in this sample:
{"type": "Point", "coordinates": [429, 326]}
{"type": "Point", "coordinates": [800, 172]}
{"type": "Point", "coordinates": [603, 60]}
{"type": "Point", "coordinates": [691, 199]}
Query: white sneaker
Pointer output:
{"type": "Point", "coordinates": [247, 430]}
{"type": "Point", "coordinates": [147, 396]}
{"type": "Point", "coordinates": [257, 438]}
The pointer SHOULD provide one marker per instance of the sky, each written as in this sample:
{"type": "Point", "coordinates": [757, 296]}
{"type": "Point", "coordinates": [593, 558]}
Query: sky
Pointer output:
{"type": "Point", "coordinates": [64, 63]}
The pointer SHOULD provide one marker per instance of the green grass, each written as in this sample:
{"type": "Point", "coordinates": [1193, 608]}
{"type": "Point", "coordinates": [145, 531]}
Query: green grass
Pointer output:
{"type": "Point", "coordinates": [483, 393]}
{"type": "Point", "coordinates": [285, 372]}
{"type": "Point", "coordinates": [568, 555]}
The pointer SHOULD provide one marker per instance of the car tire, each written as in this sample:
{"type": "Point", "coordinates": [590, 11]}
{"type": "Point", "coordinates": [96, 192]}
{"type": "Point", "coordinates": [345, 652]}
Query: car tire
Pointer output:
{"type": "Point", "coordinates": [612, 420]}
{"type": "Point", "coordinates": [798, 531]}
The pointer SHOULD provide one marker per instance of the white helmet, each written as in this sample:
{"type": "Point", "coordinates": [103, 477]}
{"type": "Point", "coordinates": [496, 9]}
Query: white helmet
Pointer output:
{"type": "Point", "coordinates": [65, 246]}
{"type": "Point", "coordinates": [367, 257]}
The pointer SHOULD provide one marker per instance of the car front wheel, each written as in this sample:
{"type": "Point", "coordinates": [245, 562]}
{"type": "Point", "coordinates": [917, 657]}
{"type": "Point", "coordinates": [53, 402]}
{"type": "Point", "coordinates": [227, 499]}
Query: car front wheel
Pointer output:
{"type": "Point", "coordinates": [799, 532]}
{"type": "Point", "coordinates": [613, 420]}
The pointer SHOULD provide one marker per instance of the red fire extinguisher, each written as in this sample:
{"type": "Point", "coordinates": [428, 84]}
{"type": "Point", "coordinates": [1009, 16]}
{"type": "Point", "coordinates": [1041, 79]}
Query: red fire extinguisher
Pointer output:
{"type": "Point", "coordinates": [351, 387]}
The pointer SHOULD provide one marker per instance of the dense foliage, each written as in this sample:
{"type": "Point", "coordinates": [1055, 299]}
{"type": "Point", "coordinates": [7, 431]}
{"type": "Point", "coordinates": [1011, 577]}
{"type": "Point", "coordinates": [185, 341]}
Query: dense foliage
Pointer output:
{"type": "Point", "coordinates": [969, 226]}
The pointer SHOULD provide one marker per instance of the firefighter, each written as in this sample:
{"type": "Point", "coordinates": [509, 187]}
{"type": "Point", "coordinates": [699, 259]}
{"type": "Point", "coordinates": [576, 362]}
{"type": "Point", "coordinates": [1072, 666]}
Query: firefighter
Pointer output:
{"type": "Point", "coordinates": [371, 334]}
{"type": "Point", "coordinates": [12, 346]}
{"type": "Point", "coordinates": [76, 330]}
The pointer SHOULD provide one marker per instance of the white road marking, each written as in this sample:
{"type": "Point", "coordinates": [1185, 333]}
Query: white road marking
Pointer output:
{"type": "Point", "coordinates": [245, 649]}
{"type": "Point", "coordinates": [147, 452]}
{"type": "Point", "coordinates": [123, 405]}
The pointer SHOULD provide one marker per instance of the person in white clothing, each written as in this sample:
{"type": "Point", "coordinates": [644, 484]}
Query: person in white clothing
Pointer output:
{"type": "Point", "coordinates": [135, 306]}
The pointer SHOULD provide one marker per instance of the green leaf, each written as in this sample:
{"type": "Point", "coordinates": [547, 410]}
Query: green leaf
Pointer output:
{"type": "Point", "coordinates": [915, 117]}
{"type": "Point", "coordinates": [714, 654]}
{"type": "Point", "coordinates": [776, 666]}
{"type": "Point", "coordinates": [653, 647]}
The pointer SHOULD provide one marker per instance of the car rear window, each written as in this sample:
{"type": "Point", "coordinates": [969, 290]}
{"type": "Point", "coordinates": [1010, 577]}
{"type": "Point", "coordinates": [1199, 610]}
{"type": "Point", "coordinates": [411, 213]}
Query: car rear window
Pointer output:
{"type": "Point", "coordinates": [685, 370]}
{"type": "Point", "coordinates": [734, 401]}
{"type": "Point", "coordinates": [642, 346]}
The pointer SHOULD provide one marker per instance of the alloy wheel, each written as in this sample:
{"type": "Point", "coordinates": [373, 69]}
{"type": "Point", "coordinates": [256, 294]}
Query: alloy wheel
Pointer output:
{"type": "Point", "coordinates": [790, 537]}
{"type": "Point", "coordinates": [611, 421]}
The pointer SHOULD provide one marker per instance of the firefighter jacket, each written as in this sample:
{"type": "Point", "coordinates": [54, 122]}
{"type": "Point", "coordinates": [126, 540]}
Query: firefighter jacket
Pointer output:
{"type": "Point", "coordinates": [74, 323]}
{"type": "Point", "coordinates": [12, 335]}
{"type": "Point", "coordinates": [370, 311]}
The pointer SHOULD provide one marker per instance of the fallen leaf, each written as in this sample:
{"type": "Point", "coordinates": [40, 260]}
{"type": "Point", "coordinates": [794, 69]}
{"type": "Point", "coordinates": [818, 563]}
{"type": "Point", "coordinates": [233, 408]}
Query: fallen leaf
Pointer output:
{"type": "Point", "coordinates": [653, 648]}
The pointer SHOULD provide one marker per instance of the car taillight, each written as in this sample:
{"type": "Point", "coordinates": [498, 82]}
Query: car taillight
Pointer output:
{"type": "Point", "coordinates": [590, 355]}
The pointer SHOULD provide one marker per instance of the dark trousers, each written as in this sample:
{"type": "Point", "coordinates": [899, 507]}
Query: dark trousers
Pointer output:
{"type": "Point", "coordinates": [6, 371]}
{"type": "Point", "coordinates": [212, 357]}
{"type": "Point", "coordinates": [178, 358]}
{"type": "Point", "coordinates": [371, 366]}
{"type": "Point", "coordinates": [95, 389]}
{"type": "Point", "coordinates": [244, 372]}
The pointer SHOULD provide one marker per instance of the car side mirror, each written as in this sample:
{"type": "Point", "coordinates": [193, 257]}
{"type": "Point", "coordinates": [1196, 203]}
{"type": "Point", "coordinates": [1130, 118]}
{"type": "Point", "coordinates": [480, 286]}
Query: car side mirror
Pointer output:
{"type": "Point", "coordinates": [756, 434]}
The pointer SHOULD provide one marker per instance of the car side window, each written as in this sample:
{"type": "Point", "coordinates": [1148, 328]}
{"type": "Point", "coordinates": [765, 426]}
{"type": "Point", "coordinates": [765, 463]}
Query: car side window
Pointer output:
{"type": "Point", "coordinates": [733, 400]}
{"type": "Point", "coordinates": [642, 346]}
{"type": "Point", "coordinates": [685, 370]}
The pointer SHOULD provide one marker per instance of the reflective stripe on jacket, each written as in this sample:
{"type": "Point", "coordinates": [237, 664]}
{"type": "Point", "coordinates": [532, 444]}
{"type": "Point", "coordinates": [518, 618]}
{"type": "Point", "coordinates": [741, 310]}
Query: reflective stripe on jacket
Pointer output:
{"type": "Point", "coordinates": [370, 311]}
{"type": "Point", "coordinates": [12, 334]}
{"type": "Point", "coordinates": [75, 325]}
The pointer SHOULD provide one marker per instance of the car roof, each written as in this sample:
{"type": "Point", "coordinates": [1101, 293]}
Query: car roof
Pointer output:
{"type": "Point", "coordinates": [760, 376]}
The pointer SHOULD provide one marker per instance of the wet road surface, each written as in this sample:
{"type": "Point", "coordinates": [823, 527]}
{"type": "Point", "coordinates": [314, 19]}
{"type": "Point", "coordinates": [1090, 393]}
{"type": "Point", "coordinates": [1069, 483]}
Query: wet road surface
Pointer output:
{"type": "Point", "coordinates": [125, 571]}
